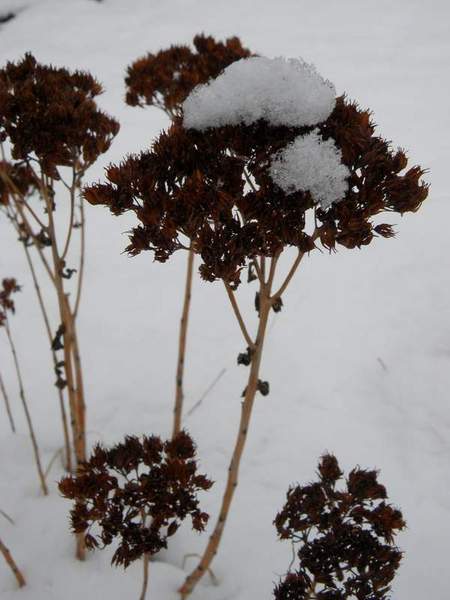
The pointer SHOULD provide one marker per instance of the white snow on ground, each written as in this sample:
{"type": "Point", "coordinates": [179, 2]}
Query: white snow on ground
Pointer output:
{"type": "Point", "coordinates": [314, 165]}
{"type": "Point", "coordinates": [358, 360]}
{"type": "Point", "coordinates": [280, 91]}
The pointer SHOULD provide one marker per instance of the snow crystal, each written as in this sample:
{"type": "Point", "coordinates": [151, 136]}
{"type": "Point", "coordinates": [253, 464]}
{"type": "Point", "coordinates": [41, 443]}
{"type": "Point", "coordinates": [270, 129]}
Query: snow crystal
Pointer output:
{"type": "Point", "coordinates": [311, 164]}
{"type": "Point", "coordinates": [282, 91]}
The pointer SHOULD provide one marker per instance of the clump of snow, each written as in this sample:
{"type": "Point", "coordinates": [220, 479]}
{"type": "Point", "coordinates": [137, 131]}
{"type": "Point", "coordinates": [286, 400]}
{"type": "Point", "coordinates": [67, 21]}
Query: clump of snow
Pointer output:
{"type": "Point", "coordinates": [311, 164]}
{"type": "Point", "coordinates": [281, 91]}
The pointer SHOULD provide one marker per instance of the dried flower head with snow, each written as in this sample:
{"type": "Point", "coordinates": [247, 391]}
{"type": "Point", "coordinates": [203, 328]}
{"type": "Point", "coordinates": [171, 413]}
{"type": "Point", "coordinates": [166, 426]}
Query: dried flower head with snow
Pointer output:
{"type": "Point", "coordinates": [165, 79]}
{"type": "Point", "coordinates": [137, 492]}
{"type": "Point", "coordinates": [276, 90]}
{"type": "Point", "coordinates": [235, 181]}
{"type": "Point", "coordinates": [345, 537]}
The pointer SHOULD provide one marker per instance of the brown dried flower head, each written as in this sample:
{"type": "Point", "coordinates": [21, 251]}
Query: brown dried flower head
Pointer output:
{"type": "Point", "coordinates": [50, 114]}
{"type": "Point", "coordinates": [346, 537]}
{"type": "Point", "coordinates": [137, 493]}
{"type": "Point", "coordinates": [165, 79]}
{"type": "Point", "coordinates": [213, 189]}
{"type": "Point", "coordinates": [19, 177]}
{"type": "Point", "coordinates": [9, 287]}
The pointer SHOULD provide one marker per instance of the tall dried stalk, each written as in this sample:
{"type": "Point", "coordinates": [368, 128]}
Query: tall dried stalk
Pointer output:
{"type": "Point", "coordinates": [26, 410]}
{"type": "Point", "coordinates": [11, 563]}
{"type": "Point", "coordinates": [7, 404]}
{"type": "Point", "coordinates": [267, 300]}
{"type": "Point", "coordinates": [179, 391]}
{"type": "Point", "coordinates": [56, 367]}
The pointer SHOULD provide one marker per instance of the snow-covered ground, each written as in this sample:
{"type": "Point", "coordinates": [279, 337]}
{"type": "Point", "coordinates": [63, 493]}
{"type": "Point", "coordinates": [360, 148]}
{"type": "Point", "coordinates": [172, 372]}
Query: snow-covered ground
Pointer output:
{"type": "Point", "coordinates": [359, 360]}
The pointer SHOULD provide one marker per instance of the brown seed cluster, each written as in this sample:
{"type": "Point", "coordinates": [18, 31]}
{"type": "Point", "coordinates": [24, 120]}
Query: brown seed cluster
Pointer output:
{"type": "Point", "coordinates": [14, 177]}
{"type": "Point", "coordinates": [9, 287]}
{"type": "Point", "coordinates": [138, 493]}
{"type": "Point", "coordinates": [165, 79]}
{"type": "Point", "coordinates": [213, 189]}
{"type": "Point", "coordinates": [50, 114]}
{"type": "Point", "coordinates": [346, 537]}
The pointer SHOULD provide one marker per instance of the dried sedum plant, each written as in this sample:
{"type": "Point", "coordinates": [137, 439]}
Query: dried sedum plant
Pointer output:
{"type": "Point", "coordinates": [345, 536]}
{"type": "Point", "coordinates": [231, 194]}
{"type": "Point", "coordinates": [53, 131]}
{"type": "Point", "coordinates": [7, 306]}
{"type": "Point", "coordinates": [165, 80]}
{"type": "Point", "coordinates": [137, 493]}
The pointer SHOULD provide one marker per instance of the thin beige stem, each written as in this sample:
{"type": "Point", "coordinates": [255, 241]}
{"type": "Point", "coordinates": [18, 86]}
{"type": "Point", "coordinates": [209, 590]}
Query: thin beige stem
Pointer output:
{"type": "Point", "coordinates": [7, 404]}
{"type": "Point", "coordinates": [13, 566]}
{"type": "Point", "coordinates": [233, 470]}
{"type": "Point", "coordinates": [27, 412]}
{"type": "Point", "coordinates": [237, 312]}
{"type": "Point", "coordinates": [82, 258]}
{"type": "Point", "coordinates": [146, 561]}
{"type": "Point", "coordinates": [179, 391]}
{"type": "Point", "coordinates": [71, 218]}
{"type": "Point", "coordinates": [293, 269]}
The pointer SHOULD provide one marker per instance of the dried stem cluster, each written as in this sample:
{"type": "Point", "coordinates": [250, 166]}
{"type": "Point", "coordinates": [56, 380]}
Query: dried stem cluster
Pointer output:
{"type": "Point", "coordinates": [7, 305]}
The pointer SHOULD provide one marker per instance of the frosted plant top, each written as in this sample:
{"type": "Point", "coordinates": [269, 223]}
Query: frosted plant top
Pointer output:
{"type": "Point", "coordinates": [281, 91]}
{"type": "Point", "coordinates": [311, 164]}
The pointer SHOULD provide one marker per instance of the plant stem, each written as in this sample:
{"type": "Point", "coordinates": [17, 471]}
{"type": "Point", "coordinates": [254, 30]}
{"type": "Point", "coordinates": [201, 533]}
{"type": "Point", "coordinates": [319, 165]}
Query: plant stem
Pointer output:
{"type": "Point", "coordinates": [27, 412]}
{"type": "Point", "coordinates": [72, 366]}
{"type": "Point", "coordinates": [68, 454]}
{"type": "Point", "coordinates": [14, 568]}
{"type": "Point", "coordinates": [7, 405]}
{"type": "Point", "coordinates": [145, 560]}
{"type": "Point", "coordinates": [238, 315]}
{"type": "Point", "coordinates": [233, 470]}
{"type": "Point", "coordinates": [179, 393]}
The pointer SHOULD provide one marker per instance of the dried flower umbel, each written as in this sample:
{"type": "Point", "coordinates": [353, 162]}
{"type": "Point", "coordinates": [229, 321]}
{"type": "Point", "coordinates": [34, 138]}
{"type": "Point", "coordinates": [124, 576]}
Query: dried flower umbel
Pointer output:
{"type": "Point", "coordinates": [7, 306]}
{"type": "Point", "coordinates": [164, 80]}
{"type": "Point", "coordinates": [55, 132]}
{"type": "Point", "coordinates": [137, 493]}
{"type": "Point", "coordinates": [345, 537]}
{"type": "Point", "coordinates": [211, 191]}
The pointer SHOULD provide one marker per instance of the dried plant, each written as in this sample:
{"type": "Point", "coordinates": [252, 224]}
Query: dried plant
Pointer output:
{"type": "Point", "coordinates": [211, 191]}
{"type": "Point", "coordinates": [55, 132]}
{"type": "Point", "coordinates": [345, 537]}
{"type": "Point", "coordinates": [164, 80]}
{"type": "Point", "coordinates": [12, 564]}
{"type": "Point", "coordinates": [7, 306]}
{"type": "Point", "coordinates": [137, 493]}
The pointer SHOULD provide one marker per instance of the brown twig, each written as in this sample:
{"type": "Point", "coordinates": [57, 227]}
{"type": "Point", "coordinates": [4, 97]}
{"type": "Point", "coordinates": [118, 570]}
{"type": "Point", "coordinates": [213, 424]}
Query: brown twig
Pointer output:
{"type": "Point", "coordinates": [7, 404]}
{"type": "Point", "coordinates": [237, 312]}
{"type": "Point", "coordinates": [179, 392]}
{"type": "Point", "coordinates": [11, 563]}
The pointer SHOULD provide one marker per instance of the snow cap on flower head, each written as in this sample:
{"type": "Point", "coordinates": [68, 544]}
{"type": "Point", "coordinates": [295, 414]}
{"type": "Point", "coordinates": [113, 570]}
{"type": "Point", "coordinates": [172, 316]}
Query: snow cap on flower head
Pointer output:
{"type": "Point", "coordinates": [281, 91]}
